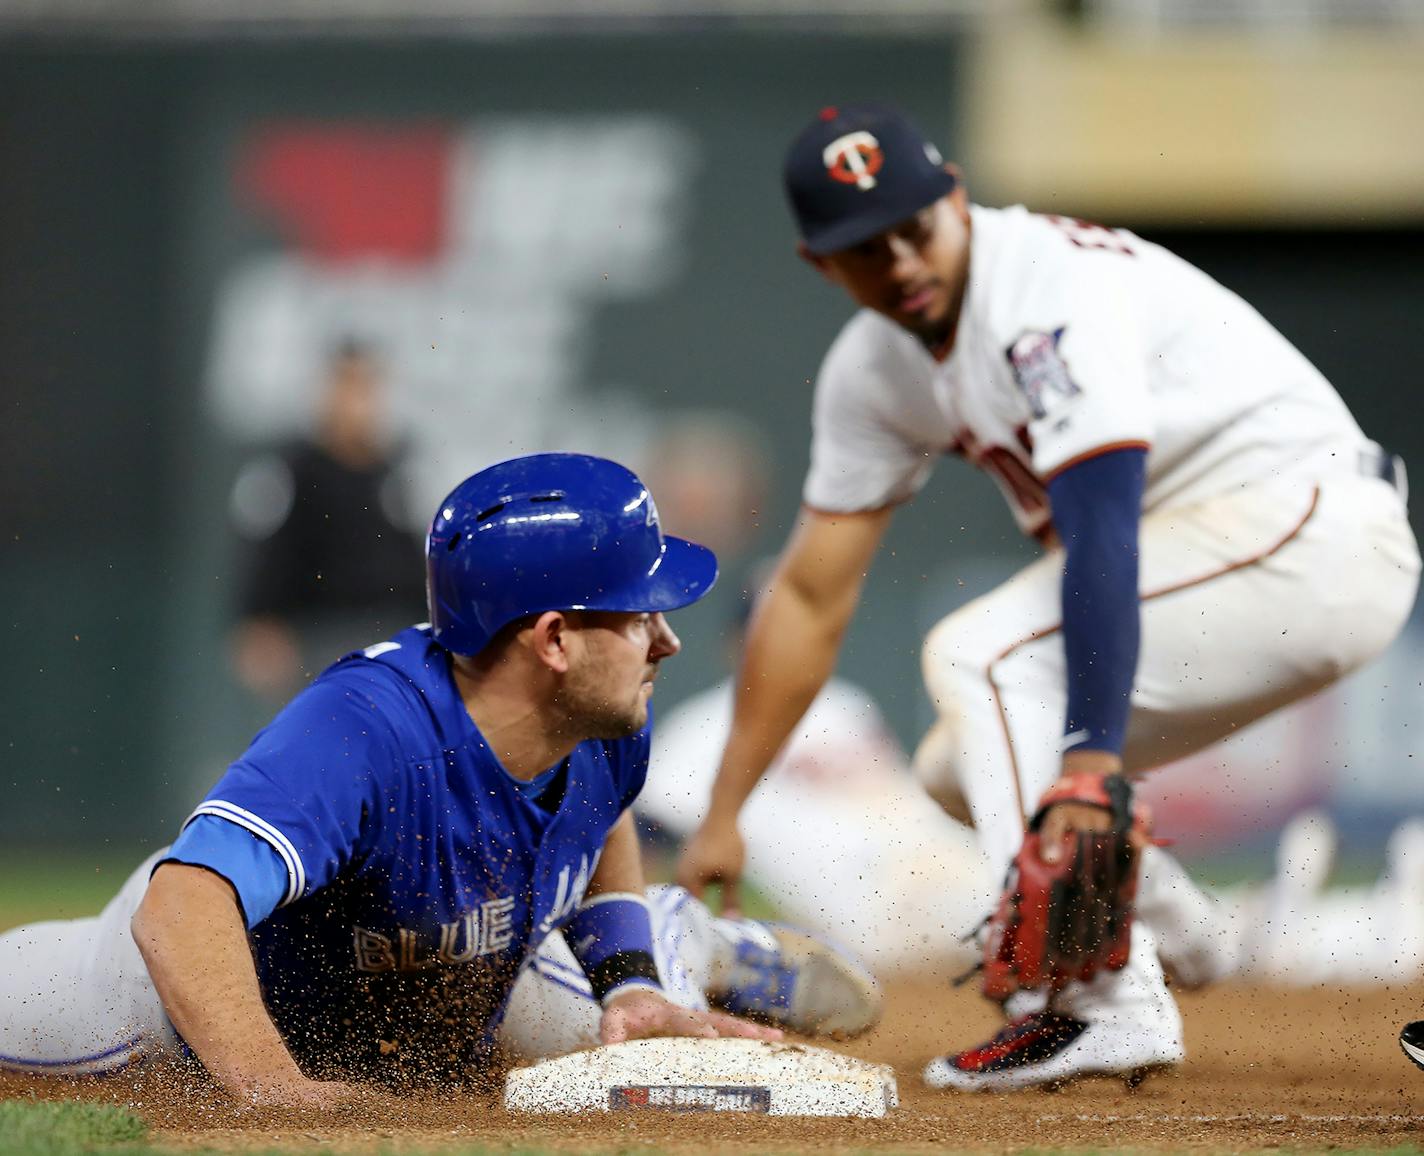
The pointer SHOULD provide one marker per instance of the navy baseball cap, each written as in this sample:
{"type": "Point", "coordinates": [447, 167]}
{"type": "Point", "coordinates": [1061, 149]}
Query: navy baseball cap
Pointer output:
{"type": "Point", "coordinates": [857, 171]}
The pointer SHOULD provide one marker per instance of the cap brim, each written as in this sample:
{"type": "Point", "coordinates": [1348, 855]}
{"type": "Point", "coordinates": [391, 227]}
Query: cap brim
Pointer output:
{"type": "Point", "coordinates": [688, 571]}
{"type": "Point", "coordinates": [684, 574]}
{"type": "Point", "coordinates": [854, 230]}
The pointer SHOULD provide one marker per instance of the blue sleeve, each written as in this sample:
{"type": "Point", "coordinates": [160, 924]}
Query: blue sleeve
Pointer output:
{"type": "Point", "coordinates": [311, 784]}
{"type": "Point", "coordinates": [1097, 505]}
{"type": "Point", "coordinates": [255, 870]}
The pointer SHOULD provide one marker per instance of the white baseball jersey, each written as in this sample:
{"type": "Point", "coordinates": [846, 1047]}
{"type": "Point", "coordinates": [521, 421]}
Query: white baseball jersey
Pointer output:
{"type": "Point", "coordinates": [1073, 339]}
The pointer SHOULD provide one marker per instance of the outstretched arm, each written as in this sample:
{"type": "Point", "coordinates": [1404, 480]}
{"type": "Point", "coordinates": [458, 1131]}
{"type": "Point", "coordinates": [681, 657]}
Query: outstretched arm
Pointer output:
{"type": "Point", "coordinates": [190, 930]}
{"type": "Point", "coordinates": [791, 648]}
{"type": "Point", "coordinates": [1096, 510]}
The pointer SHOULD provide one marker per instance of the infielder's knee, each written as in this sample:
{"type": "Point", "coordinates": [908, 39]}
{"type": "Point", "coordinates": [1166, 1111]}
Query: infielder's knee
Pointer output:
{"type": "Point", "coordinates": [955, 659]}
{"type": "Point", "coordinates": [985, 690]}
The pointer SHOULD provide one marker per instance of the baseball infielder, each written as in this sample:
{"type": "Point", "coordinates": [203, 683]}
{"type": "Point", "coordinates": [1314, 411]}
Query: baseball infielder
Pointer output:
{"type": "Point", "coordinates": [354, 899]}
{"type": "Point", "coordinates": [1220, 536]}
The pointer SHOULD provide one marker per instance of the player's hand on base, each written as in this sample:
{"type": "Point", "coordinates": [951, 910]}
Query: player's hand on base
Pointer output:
{"type": "Point", "coordinates": [643, 1013]}
{"type": "Point", "coordinates": [716, 853]}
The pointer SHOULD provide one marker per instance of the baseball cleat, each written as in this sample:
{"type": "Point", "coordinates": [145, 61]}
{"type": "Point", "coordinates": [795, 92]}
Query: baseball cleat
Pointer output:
{"type": "Point", "coordinates": [1411, 1039]}
{"type": "Point", "coordinates": [1046, 1050]}
{"type": "Point", "coordinates": [792, 979]}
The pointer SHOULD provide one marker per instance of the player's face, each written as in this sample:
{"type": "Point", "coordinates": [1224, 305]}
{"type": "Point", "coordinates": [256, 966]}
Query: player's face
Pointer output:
{"type": "Point", "coordinates": [915, 273]}
{"type": "Point", "coordinates": [606, 692]}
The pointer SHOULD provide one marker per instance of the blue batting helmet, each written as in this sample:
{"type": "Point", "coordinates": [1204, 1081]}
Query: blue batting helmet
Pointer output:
{"type": "Point", "coordinates": [552, 532]}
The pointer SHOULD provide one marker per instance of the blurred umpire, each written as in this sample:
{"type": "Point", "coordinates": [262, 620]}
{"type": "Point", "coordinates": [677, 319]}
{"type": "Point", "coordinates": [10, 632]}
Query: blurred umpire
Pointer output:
{"type": "Point", "coordinates": [325, 559]}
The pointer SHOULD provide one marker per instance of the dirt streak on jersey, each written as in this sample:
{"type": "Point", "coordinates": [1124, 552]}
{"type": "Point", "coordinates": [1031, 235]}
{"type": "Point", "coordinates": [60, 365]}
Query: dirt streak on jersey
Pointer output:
{"type": "Point", "coordinates": [420, 875]}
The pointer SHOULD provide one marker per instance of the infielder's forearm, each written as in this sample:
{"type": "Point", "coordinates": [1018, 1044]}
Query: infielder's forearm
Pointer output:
{"type": "Point", "coordinates": [792, 644]}
{"type": "Point", "coordinates": [190, 931]}
{"type": "Point", "coordinates": [1096, 509]}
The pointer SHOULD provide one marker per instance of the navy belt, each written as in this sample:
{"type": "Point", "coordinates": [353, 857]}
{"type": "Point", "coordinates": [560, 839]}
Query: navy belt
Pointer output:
{"type": "Point", "coordinates": [1378, 462]}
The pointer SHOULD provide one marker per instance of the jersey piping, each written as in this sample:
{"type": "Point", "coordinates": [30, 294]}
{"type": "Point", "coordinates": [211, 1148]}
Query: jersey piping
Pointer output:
{"type": "Point", "coordinates": [1089, 455]}
{"type": "Point", "coordinates": [296, 872]}
{"type": "Point", "coordinates": [97, 1064]}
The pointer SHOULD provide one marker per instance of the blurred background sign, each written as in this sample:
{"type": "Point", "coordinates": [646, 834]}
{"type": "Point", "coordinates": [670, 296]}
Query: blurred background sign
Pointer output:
{"type": "Point", "coordinates": [1162, 111]}
{"type": "Point", "coordinates": [560, 226]}
{"type": "Point", "coordinates": [476, 256]}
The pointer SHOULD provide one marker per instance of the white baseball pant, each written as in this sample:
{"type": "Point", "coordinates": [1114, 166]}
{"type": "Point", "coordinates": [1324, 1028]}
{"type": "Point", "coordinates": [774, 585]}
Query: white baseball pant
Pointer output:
{"type": "Point", "coordinates": [1249, 601]}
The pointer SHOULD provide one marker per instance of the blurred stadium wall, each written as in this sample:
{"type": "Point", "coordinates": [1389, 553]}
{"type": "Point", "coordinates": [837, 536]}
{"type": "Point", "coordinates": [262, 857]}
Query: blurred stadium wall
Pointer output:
{"type": "Point", "coordinates": [563, 225]}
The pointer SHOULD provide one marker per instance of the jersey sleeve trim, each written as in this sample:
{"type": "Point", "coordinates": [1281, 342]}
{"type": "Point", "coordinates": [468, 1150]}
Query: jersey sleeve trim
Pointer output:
{"type": "Point", "coordinates": [296, 872]}
{"type": "Point", "coordinates": [1095, 452]}
{"type": "Point", "coordinates": [613, 897]}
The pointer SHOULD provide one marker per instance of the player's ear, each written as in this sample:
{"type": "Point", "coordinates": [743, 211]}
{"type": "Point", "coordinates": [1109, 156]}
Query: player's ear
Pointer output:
{"type": "Point", "coordinates": [959, 195]}
{"type": "Point", "coordinates": [820, 264]}
{"type": "Point", "coordinates": [549, 639]}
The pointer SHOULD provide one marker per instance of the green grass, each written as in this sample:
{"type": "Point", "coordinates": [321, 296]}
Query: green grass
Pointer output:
{"type": "Point", "coordinates": [63, 1127]}
{"type": "Point", "coordinates": [73, 1128]}
{"type": "Point", "coordinates": [60, 886]}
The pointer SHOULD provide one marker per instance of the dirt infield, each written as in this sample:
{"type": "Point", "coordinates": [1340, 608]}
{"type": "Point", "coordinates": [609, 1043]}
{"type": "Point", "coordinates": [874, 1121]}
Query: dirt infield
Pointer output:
{"type": "Point", "coordinates": [1268, 1068]}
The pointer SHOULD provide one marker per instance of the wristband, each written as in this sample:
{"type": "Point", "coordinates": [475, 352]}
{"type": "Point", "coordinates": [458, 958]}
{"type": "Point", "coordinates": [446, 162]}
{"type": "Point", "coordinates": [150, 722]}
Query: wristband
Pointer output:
{"type": "Point", "coordinates": [612, 938]}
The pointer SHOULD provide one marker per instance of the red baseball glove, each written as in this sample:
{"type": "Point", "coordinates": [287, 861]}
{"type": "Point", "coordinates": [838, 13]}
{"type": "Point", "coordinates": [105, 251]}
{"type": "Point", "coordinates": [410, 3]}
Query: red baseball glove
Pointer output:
{"type": "Point", "coordinates": [1070, 919]}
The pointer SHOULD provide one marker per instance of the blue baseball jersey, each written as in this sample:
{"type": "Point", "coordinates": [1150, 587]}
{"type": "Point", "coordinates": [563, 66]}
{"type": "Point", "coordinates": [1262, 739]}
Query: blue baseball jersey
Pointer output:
{"type": "Point", "coordinates": [419, 874]}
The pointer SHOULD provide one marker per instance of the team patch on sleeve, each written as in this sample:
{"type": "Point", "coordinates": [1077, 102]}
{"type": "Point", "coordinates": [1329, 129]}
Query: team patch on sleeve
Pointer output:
{"type": "Point", "coordinates": [1040, 370]}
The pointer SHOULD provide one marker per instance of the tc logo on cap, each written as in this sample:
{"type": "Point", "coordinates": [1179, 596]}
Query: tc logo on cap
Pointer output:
{"type": "Point", "coordinates": [854, 159]}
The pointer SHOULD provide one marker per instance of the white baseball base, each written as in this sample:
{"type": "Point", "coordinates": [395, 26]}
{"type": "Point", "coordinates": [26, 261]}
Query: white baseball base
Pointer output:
{"type": "Point", "coordinates": [686, 1075]}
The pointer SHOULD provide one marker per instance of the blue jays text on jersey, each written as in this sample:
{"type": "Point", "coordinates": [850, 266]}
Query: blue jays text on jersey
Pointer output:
{"type": "Point", "coordinates": [420, 874]}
